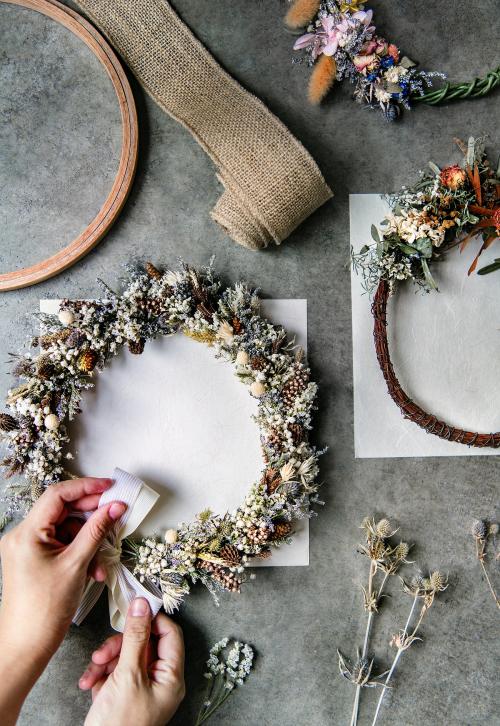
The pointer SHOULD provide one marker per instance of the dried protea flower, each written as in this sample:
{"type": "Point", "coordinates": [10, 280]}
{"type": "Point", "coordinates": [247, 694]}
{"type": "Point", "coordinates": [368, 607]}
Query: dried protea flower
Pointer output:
{"type": "Point", "coordinates": [479, 529]}
{"type": "Point", "coordinates": [23, 367]}
{"type": "Point", "coordinates": [453, 177]}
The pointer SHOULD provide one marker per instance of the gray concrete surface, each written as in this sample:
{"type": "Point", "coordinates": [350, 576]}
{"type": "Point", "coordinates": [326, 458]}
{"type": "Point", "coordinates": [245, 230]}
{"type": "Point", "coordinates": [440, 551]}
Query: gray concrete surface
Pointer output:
{"type": "Point", "coordinates": [296, 617]}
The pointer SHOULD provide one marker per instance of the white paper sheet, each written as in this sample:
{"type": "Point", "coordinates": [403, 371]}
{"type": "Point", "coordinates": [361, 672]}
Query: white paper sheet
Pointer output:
{"type": "Point", "coordinates": [179, 419]}
{"type": "Point", "coordinates": [445, 348]}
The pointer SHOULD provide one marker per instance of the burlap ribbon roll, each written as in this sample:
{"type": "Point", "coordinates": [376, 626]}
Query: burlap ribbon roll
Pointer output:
{"type": "Point", "coordinates": [271, 182]}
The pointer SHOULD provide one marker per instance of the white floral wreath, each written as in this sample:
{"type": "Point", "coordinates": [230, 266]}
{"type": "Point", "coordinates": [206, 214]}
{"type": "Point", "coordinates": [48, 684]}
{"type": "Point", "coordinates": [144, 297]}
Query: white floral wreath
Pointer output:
{"type": "Point", "coordinates": [86, 335]}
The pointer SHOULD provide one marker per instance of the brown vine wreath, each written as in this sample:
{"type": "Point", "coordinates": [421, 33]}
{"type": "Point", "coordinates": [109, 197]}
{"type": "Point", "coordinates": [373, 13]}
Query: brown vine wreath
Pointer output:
{"type": "Point", "coordinates": [444, 208]}
{"type": "Point", "coordinates": [411, 410]}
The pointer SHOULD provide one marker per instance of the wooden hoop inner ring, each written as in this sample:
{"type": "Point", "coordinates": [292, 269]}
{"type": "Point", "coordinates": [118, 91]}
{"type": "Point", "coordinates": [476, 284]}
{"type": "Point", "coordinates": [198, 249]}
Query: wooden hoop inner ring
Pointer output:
{"type": "Point", "coordinates": [409, 408]}
{"type": "Point", "coordinates": [115, 200]}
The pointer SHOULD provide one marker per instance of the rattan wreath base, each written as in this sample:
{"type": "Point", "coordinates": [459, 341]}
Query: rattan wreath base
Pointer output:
{"type": "Point", "coordinates": [409, 408]}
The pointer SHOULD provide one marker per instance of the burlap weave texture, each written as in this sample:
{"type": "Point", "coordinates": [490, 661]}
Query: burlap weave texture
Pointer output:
{"type": "Point", "coordinates": [271, 182]}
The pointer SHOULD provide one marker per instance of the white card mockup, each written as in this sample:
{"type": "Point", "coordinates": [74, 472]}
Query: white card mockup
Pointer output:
{"type": "Point", "coordinates": [445, 347]}
{"type": "Point", "coordinates": [179, 419]}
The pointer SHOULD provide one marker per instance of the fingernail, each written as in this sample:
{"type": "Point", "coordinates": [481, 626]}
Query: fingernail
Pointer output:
{"type": "Point", "coordinates": [83, 678]}
{"type": "Point", "coordinates": [116, 510]}
{"type": "Point", "coordinates": [139, 607]}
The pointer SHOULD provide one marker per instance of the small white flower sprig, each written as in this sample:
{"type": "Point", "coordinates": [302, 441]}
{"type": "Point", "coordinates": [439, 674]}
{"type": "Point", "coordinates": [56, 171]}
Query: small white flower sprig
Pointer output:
{"type": "Point", "coordinates": [228, 665]}
{"type": "Point", "coordinates": [86, 335]}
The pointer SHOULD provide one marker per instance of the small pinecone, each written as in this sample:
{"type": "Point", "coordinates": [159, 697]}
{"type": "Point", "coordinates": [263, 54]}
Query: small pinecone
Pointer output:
{"type": "Point", "coordinates": [36, 490]}
{"type": "Point", "coordinates": [231, 555]}
{"type": "Point", "coordinates": [295, 385]}
{"type": "Point", "coordinates": [274, 440]}
{"type": "Point", "coordinates": [264, 554]}
{"type": "Point", "coordinates": [153, 271]}
{"type": "Point", "coordinates": [258, 363]}
{"type": "Point", "coordinates": [87, 361]}
{"type": "Point", "coordinates": [224, 577]}
{"type": "Point", "coordinates": [282, 530]}
{"type": "Point", "coordinates": [45, 368]}
{"type": "Point", "coordinates": [8, 422]}
{"type": "Point", "coordinates": [136, 346]}
{"type": "Point", "coordinates": [297, 433]}
{"type": "Point", "coordinates": [257, 535]}
{"type": "Point", "coordinates": [237, 325]}
{"type": "Point", "coordinates": [271, 480]}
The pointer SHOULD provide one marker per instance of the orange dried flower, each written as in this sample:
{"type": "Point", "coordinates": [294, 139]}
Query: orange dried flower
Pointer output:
{"type": "Point", "coordinates": [453, 177]}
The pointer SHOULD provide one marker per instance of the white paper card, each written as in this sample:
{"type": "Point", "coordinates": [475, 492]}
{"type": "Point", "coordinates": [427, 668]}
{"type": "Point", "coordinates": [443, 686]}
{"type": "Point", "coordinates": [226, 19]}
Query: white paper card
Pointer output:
{"type": "Point", "coordinates": [445, 348]}
{"type": "Point", "coordinates": [179, 419]}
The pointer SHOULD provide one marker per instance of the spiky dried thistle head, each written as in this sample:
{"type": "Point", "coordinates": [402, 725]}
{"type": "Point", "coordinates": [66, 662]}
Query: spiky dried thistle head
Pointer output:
{"type": "Point", "coordinates": [479, 529]}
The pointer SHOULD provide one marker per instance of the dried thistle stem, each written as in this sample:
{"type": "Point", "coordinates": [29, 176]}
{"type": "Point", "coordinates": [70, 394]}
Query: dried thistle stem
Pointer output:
{"type": "Point", "coordinates": [481, 556]}
{"type": "Point", "coordinates": [398, 654]}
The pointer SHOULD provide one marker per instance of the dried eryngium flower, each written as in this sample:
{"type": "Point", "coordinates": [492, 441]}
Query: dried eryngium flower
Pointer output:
{"type": "Point", "coordinates": [482, 531]}
{"type": "Point", "coordinates": [419, 587]}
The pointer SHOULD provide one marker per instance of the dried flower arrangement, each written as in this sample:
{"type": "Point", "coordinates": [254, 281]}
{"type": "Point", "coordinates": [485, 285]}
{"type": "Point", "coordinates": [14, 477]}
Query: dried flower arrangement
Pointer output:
{"type": "Point", "coordinates": [482, 532]}
{"type": "Point", "coordinates": [386, 558]}
{"type": "Point", "coordinates": [342, 42]}
{"type": "Point", "coordinates": [228, 666]}
{"type": "Point", "coordinates": [445, 208]}
{"type": "Point", "coordinates": [86, 335]}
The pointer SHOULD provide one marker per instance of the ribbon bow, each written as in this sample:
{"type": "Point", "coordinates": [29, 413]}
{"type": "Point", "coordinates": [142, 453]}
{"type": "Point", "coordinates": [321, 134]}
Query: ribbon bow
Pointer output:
{"type": "Point", "coordinates": [122, 586]}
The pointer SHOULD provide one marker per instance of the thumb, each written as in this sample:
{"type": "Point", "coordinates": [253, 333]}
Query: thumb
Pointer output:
{"type": "Point", "coordinates": [94, 531]}
{"type": "Point", "coordinates": [135, 641]}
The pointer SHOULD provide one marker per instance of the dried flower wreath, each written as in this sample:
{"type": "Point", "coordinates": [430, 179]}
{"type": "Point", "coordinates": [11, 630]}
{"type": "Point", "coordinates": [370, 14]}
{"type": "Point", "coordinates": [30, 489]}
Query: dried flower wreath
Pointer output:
{"type": "Point", "coordinates": [342, 42]}
{"type": "Point", "coordinates": [445, 208]}
{"type": "Point", "coordinates": [86, 335]}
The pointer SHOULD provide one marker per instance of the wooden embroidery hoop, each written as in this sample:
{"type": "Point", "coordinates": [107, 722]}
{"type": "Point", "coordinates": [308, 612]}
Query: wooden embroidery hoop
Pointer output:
{"type": "Point", "coordinates": [115, 200]}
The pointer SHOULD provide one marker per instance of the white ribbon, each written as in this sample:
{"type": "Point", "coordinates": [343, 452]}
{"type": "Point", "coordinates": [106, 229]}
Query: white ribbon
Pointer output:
{"type": "Point", "coordinates": [122, 586]}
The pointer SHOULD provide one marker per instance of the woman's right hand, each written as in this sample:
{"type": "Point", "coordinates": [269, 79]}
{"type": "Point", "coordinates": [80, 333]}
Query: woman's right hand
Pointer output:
{"type": "Point", "coordinates": [137, 679]}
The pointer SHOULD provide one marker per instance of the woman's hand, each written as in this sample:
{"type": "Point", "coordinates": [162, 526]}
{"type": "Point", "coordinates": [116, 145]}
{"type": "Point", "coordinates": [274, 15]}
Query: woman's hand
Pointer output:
{"type": "Point", "coordinates": [137, 679]}
{"type": "Point", "coordinates": [46, 560]}
{"type": "Point", "coordinates": [45, 563]}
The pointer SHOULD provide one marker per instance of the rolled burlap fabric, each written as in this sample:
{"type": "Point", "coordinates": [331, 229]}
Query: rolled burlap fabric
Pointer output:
{"type": "Point", "coordinates": [271, 183]}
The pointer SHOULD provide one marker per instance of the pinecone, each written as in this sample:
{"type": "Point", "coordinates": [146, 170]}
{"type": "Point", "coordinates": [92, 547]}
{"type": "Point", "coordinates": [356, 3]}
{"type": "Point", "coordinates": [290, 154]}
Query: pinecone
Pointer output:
{"type": "Point", "coordinates": [8, 422]}
{"type": "Point", "coordinates": [271, 480]}
{"type": "Point", "coordinates": [282, 530]}
{"type": "Point", "coordinates": [45, 368]}
{"type": "Point", "coordinates": [136, 346]}
{"type": "Point", "coordinates": [237, 325]}
{"type": "Point", "coordinates": [87, 361]}
{"type": "Point", "coordinates": [226, 579]}
{"type": "Point", "coordinates": [274, 440]}
{"type": "Point", "coordinates": [153, 271]}
{"type": "Point", "coordinates": [264, 554]}
{"type": "Point", "coordinates": [258, 363]}
{"type": "Point", "coordinates": [257, 535]}
{"type": "Point", "coordinates": [230, 554]}
{"type": "Point", "coordinates": [297, 432]}
{"type": "Point", "coordinates": [295, 385]}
